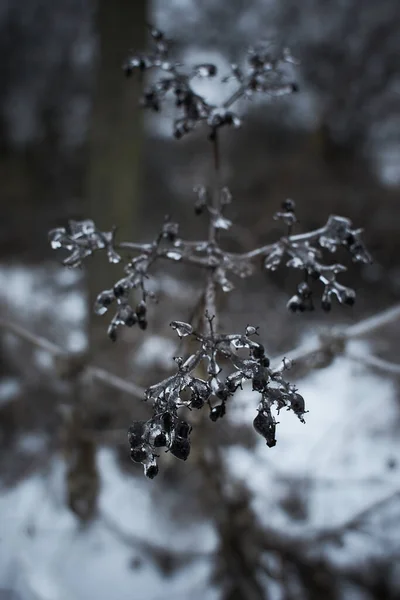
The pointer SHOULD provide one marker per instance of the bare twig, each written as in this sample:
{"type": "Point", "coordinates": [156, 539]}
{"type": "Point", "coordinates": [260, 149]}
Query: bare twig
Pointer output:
{"type": "Point", "coordinates": [300, 353]}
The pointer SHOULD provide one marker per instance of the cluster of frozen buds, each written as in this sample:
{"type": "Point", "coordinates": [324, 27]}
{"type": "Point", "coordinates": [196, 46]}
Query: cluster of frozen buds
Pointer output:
{"type": "Point", "coordinates": [185, 389]}
{"type": "Point", "coordinates": [304, 251]}
{"type": "Point", "coordinates": [82, 239]}
{"type": "Point", "coordinates": [263, 73]}
{"type": "Point", "coordinates": [301, 251]}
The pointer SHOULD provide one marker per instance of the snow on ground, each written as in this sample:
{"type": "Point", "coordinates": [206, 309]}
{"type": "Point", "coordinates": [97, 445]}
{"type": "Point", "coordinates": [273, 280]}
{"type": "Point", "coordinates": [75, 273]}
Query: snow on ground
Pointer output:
{"type": "Point", "coordinates": [44, 554]}
{"type": "Point", "coordinates": [47, 293]}
{"type": "Point", "coordinates": [341, 455]}
{"type": "Point", "coordinates": [340, 462]}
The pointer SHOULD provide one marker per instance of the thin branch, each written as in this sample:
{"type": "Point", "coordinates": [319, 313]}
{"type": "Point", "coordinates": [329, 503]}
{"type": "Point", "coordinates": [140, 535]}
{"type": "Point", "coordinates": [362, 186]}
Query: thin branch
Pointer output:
{"type": "Point", "coordinates": [301, 353]}
{"type": "Point", "coordinates": [375, 362]}
{"type": "Point", "coordinates": [367, 326]}
{"type": "Point", "coordinates": [32, 338]}
{"type": "Point", "coordinates": [56, 351]}
{"type": "Point", "coordinates": [115, 382]}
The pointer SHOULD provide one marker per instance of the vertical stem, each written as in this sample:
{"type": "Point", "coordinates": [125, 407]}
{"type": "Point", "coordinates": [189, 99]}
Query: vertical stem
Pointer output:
{"type": "Point", "coordinates": [210, 291]}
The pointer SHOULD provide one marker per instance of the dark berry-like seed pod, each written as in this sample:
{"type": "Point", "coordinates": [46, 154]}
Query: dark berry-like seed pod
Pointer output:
{"type": "Point", "coordinates": [141, 309]}
{"type": "Point", "coordinates": [258, 351]}
{"type": "Point", "coordinates": [217, 412]}
{"type": "Point", "coordinates": [182, 429]}
{"type": "Point", "coordinates": [135, 433]}
{"type": "Point", "coordinates": [167, 421]}
{"type": "Point", "coordinates": [142, 323]}
{"type": "Point", "coordinates": [265, 426]}
{"type": "Point", "coordinates": [222, 393]}
{"type": "Point", "coordinates": [265, 362]}
{"type": "Point", "coordinates": [289, 205]}
{"type": "Point", "coordinates": [112, 332]}
{"type": "Point", "coordinates": [315, 274]}
{"type": "Point", "coordinates": [138, 454]}
{"type": "Point", "coordinates": [326, 305]}
{"type": "Point", "coordinates": [151, 471]}
{"type": "Point", "coordinates": [304, 290]}
{"type": "Point", "coordinates": [131, 319]}
{"type": "Point", "coordinates": [119, 290]}
{"type": "Point", "coordinates": [350, 300]}
{"type": "Point", "coordinates": [160, 440]}
{"type": "Point", "coordinates": [196, 401]}
{"type": "Point", "coordinates": [180, 448]}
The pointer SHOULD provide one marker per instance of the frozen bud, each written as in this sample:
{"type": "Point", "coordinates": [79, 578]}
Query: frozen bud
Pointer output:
{"type": "Point", "coordinates": [217, 412]}
{"type": "Point", "coordinates": [182, 429]}
{"type": "Point", "coordinates": [304, 290]}
{"type": "Point", "coordinates": [202, 199]}
{"type": "Point", "coordinates": [135, 433]}
{"type": "Point", "coordinates": [250, 330]}
{"type": "Point", "coordinates": [347, 296]}
{"type": "Point", "coordinates": [151, 100]}
{"type": "Point", "coordinates": [265, 425]}
{"type": "Point", "coordinates": [273, 259]}
{"type": "Point", "coordinates": [213, 367]}
{"type": "Point", "coordinates": [112, 331]}
{"type": "Point", "coordinates": [56, 237]}
{"type": "Point", "coordinates": [151, 469]}
{"type": "Point", "coordinates": [258, 351]}
{"type": "Point", "coordinates": [205, 70]}
{"type": "Point", "coordinates": [287, 364]}
{"type": "Point", "coordinates": [180, 448]}
{"type": "Point", "coordinates": [141, 309]}
{"type": "Point", "coordinates": [134, 62]}
{"type": "Point", "coordinates": [159, 439]}
{"type": "Point", "coordinates": [265, 362]}
{"type": "Point", "coordinates": [139, 454]}
{"type": "Point", "coordinates": [182, 329]}
{"type": "Point", "coordinates": [223, 392]}
{"type": "Point", "coordinates": [178, 360]}
{"type": "Point", "coordinates": [326, 302]}
{"type": "Point", "coordinates": [81, 229]}
{"type": "Point", "coordinates": [103, 301]}
{"type": "Point", "coordinates": [142, 324]}
{"type": "Point", "coordinates": [234, 381]}
{"type": "Point", "coordinates": [231, 118]}
{"type": "Point", "coordinates": [127, 315]}
{"type": "Point", "coordinates": [297, 405]}
{"type": "Point", "coordinates": [288, 205]}
{"type": "Point", "coordinates": [196, 401]}
{"type": "Point", "coordinates": [225, 196]}
{"type": "Point", "coordinates": [156, 34]}
{"type": "Point", "coordinates": [260, 380]}
{"type": "Point", "coordinates": [121, 288]}
{"type": "Point", "coordinates": [167, 421]}
{"type": "Point", "coordinates": [113, 256]}
{"type": "Point", "coordinates": [181, 129]}
{"type": "Point", "coordinates": [170, 230]}
{"type": "Point", "coordinates": [295, 304]}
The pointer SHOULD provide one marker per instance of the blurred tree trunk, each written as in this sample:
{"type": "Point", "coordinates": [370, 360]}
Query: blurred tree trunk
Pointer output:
{"type": "Point", "coordinates": [115, 139]}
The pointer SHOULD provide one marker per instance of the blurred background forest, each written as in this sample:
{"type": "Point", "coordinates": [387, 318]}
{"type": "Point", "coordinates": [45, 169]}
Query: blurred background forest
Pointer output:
{"type": "Point", "coordinates": [318, 516]}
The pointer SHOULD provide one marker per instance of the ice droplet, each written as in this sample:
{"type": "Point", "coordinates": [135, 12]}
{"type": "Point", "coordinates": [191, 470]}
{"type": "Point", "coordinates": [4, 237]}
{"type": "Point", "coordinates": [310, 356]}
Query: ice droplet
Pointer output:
{"type": "Point", "coordinates": [172, 255]}
{"type": "Point", "coordinates": [182, 329]}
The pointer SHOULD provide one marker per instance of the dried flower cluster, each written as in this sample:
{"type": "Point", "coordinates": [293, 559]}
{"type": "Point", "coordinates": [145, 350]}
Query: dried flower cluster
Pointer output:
{"type": "Point", "coordinates": [263, 73]}
{"type": "Point", "coordinates": [185, 389]}
{"type": "Point", "coordinates": [230, 359]}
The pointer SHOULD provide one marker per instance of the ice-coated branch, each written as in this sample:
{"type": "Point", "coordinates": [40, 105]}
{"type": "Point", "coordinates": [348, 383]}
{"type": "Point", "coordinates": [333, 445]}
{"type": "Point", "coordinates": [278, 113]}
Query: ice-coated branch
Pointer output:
{"type": "Point", "coordinates": [262, 73]}
{"type": "Point", "coordinates": [228, 360]}
{"type": "Point", "coordinates": [304, 252]}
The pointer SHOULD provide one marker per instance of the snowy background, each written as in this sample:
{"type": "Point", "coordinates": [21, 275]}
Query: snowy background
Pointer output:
{"type": "Point", "coordinates": [318, 515]}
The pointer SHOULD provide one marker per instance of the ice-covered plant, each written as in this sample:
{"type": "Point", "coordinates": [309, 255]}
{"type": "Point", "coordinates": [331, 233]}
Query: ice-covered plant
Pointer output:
{"type": "Point", "coordinates": [227, 360]}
